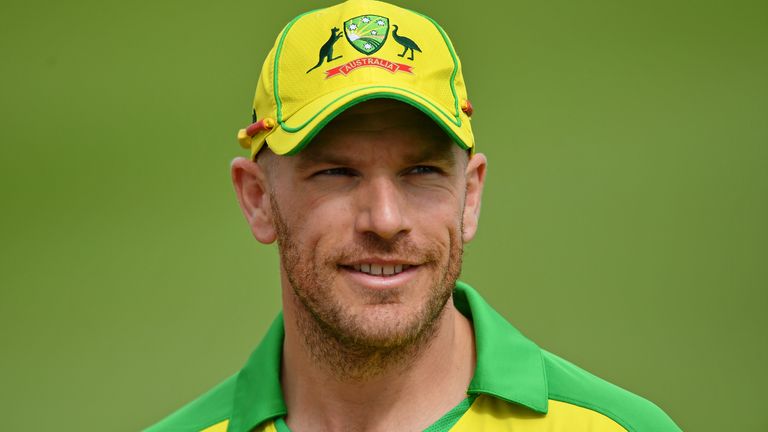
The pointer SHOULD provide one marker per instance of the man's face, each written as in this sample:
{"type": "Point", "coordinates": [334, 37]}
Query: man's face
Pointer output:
{"type": "Point", "coordinates": [368, 220]}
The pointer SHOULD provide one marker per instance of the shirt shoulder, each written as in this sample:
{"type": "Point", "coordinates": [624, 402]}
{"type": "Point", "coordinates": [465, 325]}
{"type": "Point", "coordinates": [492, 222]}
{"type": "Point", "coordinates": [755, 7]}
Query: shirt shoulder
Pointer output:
{"type": "Point", "coordinates": [567, 383]}
{"type": "Point", "coordinates": [209, 412]}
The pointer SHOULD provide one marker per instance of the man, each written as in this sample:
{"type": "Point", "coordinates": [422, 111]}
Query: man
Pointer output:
{"type": "Point", "coordinates": [363, 170]}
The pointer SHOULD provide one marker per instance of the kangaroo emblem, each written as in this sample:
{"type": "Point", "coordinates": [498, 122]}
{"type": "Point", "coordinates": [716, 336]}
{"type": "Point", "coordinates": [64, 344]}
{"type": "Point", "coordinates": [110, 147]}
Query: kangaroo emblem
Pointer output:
{"type": "Point", "coordinates": [407, 43]}
{"type": "Point", "coordinates": [326, 51]}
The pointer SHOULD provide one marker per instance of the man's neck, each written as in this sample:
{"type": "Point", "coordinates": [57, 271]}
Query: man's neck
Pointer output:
{"type": "Point", "coordinates": [407, 395]}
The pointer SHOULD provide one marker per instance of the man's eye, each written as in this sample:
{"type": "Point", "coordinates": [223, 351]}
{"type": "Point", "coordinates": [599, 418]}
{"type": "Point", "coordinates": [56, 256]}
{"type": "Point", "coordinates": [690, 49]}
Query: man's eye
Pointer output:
{"type": "Point", "coordinates": [425, 169]}
{"type": "Point", "coordinates": [335, 172]}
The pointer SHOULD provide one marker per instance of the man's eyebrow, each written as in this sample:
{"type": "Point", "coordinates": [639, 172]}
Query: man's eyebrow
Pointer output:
{"type": "Point", "coordinates": [441, 153]}
{"type": "Point", "coordinates": [308, 159]}
{"type": "Point", "coordinates": [435, 153]}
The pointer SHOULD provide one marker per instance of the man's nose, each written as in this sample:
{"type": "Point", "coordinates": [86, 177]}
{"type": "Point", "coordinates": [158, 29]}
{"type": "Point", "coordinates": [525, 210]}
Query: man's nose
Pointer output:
{"type": "Point", "coordinates": [381, 209]}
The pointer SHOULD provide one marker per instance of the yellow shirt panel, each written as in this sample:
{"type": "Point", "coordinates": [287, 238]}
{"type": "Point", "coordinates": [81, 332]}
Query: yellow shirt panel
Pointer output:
{"type": "Point", "coordinates": [218, 427]}
{"type": "Point", "coordinates": [222, 427]}
{"type": "Point", "coordinates": [489, 414]}
{"type": "Point", "coordinates": [266, 427]}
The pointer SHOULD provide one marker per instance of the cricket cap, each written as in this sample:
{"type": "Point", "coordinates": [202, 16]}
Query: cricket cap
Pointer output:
{"type": "Point", "coordinates": [327, 60]}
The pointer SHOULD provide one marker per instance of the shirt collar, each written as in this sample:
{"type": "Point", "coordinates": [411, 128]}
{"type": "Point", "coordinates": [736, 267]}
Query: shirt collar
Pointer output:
{"type": "Point", "coordinates": [509, 366]}
{"type": "Point", "coordinates": [258, 395]}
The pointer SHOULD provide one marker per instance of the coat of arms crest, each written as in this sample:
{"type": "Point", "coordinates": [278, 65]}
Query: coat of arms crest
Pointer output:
{"type": "Point", "coordinates": [367, 33]}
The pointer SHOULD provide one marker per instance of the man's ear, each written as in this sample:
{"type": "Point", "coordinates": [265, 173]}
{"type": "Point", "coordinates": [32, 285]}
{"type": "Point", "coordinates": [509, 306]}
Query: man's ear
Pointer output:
{"type": "Point", "coordinates": [475, 175]}
{"type": "Point", "coordinates": [252, 190]}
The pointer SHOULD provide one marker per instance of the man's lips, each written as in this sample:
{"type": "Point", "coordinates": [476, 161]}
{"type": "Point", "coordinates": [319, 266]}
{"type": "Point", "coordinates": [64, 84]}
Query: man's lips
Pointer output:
{"type": "Point", "coordinates": [379, 267]}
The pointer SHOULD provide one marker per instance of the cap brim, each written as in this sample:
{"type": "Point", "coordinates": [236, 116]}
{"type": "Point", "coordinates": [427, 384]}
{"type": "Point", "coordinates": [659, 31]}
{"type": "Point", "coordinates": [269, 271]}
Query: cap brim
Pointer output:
{"type": "Point", "coordinates": [292, 134]}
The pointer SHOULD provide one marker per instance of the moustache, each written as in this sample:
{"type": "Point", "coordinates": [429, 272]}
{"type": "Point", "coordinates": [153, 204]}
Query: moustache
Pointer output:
{"type": "Point", "coordinates": [399, 249]}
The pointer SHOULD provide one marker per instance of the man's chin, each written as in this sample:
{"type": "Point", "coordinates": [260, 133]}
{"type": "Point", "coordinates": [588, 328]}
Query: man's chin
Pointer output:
{"type": "Point", "coordinates": [377, 336]}
{"type": "Point", "coordinates": [384, 326]}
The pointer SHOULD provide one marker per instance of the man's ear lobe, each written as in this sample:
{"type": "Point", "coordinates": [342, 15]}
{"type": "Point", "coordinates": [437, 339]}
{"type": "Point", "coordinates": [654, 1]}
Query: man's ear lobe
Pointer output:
{"type": "Point", "coordinates": [475, 176]}
{"type": "Point", "coordinates": [252, 190]}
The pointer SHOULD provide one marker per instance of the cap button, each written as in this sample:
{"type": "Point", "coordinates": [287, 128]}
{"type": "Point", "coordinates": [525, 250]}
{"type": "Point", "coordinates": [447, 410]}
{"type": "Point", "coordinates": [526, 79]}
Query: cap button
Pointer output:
{"type": "Point", "coordinates": [264, 124]}
{"type": "Point", "coordinates": [245, 136]}
{"type": "Point", "coordinates": [244, 139]}
{"type": "Point", "coordinates": [466, 106]}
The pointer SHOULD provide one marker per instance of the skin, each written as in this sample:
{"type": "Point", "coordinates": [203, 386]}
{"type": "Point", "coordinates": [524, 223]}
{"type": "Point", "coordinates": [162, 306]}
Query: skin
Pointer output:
{"type": "Point", "coordinates": [380, 185]}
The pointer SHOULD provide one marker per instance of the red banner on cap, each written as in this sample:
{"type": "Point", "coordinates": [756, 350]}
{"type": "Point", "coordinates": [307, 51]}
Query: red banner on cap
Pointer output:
{"type": "Point", "coordinates": [346, 68]}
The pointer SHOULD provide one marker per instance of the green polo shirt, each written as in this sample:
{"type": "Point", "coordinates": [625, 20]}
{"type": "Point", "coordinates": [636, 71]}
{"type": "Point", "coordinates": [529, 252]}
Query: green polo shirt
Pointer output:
{"type": "Point", "coordinates": [517, 386]}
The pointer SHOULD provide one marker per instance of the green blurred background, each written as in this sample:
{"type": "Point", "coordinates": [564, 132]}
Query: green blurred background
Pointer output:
{"type": "Point", "coordinates": [624, 222]}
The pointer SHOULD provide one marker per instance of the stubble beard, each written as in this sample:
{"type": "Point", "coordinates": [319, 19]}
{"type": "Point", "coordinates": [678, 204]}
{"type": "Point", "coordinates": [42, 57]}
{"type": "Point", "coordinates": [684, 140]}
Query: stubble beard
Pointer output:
{"type": "Point", "coordinates": [338, 339]}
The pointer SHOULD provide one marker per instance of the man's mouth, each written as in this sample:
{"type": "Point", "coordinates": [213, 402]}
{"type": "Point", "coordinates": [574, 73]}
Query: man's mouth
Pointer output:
{"type": "Point", "coordinates": [380, 269]}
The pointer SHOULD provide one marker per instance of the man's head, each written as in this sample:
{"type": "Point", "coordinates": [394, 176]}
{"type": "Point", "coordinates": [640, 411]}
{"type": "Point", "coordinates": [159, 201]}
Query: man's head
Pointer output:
{"type": "Point", "coordinates": [370, 219]}
{"type": "Point", "coordinates": [371, 213]}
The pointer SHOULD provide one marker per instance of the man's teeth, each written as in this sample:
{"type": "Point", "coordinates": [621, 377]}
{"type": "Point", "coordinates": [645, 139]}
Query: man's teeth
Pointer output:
{"type": "Point", "coordinates": [381, 269]}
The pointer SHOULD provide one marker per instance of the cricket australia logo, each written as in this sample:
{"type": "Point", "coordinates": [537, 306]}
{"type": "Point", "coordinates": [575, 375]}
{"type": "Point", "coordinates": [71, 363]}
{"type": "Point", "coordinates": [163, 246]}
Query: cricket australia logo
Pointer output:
{"type": "Point", "coordinates": [367, 33]}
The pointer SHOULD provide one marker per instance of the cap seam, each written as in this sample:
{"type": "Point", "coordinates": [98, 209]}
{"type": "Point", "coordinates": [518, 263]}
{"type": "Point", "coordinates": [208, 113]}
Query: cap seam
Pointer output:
{"type": "Point", "coordinates": [275, 88]}
{"type": "Point", "coordinates": [449, 45]}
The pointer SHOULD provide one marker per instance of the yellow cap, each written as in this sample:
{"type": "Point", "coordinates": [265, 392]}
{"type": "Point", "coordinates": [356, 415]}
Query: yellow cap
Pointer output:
{"type": "Point", "coordinates": [328, 60]}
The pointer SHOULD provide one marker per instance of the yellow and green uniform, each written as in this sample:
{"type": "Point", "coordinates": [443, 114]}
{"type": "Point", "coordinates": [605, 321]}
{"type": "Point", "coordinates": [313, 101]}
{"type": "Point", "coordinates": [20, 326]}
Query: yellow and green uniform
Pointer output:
{"type": "Point", "coordinates": [517, 387]}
